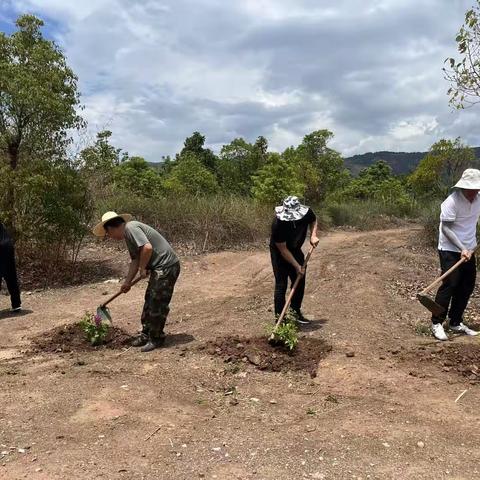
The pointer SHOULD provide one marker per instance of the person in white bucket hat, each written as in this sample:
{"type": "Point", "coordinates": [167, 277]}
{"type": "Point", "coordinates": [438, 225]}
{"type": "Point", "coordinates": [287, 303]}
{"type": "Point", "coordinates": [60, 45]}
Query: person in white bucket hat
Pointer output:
{"type": "Point", "coordinates": [152, 256]}
{"type": "Point", "coordinates": [289, 231]}
{"type": "Point", "coordinates": [458, 239]}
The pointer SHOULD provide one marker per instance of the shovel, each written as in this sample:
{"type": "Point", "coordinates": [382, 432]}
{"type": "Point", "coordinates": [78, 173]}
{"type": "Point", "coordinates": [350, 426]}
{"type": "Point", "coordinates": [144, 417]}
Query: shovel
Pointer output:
{"type": "Point", "coordinates": [292, 293]}
{"type": "Point", "coordinates": [428, 302]}
{"type": "Point", "coordinates": [103, 312]}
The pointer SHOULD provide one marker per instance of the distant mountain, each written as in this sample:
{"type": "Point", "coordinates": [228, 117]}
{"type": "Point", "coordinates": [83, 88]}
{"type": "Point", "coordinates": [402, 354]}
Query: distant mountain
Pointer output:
{"type": "Point", "coordinates": [402, 163]}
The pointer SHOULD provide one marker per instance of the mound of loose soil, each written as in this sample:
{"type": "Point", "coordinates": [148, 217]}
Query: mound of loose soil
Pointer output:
{"type": "Point", "coordinates": [462, 359]}
{"type": "Point", "coordinates": [71, 338]}
{"type": "Point", "coordinates": [258, 352]}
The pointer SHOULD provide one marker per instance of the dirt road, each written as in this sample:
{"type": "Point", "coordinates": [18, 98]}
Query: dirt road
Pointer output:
{"type": "Point", "coordinates": [382, 405]}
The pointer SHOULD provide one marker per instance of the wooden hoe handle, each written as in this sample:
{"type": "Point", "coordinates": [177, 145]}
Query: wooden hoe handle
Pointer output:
{"type": "Point", "coordinates": [292, 291]}
{"type": "Point", "coordinates": [446, 274]}
{"type": "Point", "coordinates": [113, 297]}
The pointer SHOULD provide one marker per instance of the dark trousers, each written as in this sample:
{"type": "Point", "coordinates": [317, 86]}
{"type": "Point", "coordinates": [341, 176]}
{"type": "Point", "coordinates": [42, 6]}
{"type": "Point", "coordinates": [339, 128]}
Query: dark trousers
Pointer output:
{"type": "Point", "coordinates": [157, 300]}
{"type": "Point", "coordinates": [283, 271]}
{"type": "Point", "coordinates": [8, 272]}
{"type": "Point", "coordinates": [454, 293]}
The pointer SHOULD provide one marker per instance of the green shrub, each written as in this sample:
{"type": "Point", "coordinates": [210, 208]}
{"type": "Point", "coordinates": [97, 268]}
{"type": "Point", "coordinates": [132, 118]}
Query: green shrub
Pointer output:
{"type": "Point", "coordinates": [275, 181]}
{"type": "Point", "coordinates": [202, 223]}
{"type": "Point", "coordinates": [287, 332]}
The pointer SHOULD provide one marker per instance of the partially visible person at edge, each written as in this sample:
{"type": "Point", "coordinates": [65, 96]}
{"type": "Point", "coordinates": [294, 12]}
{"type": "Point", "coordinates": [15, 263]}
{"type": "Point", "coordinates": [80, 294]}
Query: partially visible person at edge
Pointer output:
{"type": "Point", "coordinates": [152, 256]}
{"type": "Point", "coordinates": [458, 227]}
{"type": "Point", "coordinates": [8, 270]}
{"type": "Point", "coordinates": [289, 231]}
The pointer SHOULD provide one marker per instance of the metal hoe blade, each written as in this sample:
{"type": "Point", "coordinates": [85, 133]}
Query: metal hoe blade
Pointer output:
{"type": "Point", "coordinates": [430, 304]}
{"type": "Point", "coordinates": [104, 314]}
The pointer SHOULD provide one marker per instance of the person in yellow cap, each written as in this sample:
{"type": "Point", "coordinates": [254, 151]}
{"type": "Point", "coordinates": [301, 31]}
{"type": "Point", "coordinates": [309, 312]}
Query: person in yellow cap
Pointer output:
{"type": "Point", "coordinates": [151, 255]}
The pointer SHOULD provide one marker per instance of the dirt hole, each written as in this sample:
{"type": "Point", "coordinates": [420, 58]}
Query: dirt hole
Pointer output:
{"type": "Point", "coordinates": [258, 352]}
{"type": "Point", "coordinates": [71, 338]}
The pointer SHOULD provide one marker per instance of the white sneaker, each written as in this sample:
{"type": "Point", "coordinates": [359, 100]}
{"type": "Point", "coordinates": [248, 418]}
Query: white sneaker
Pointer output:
{"type": "Point", "coordinates": [439, 332]}
{"type": "Point", "coordinates": [464, 329]}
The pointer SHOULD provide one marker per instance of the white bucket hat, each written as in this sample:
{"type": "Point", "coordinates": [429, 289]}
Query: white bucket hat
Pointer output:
{"type": "Point", "coordinates": [99, 230]}
{"type": "Point", "coordinates": [470, 180]}
{"type": "Point", "coordinates": [291, 210]}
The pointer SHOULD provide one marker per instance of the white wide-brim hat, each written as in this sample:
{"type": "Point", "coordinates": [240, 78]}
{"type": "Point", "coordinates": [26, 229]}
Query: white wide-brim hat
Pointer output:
{"type": "Point", "coordinates": [291, 210]}
{"type": "Point", "coordinates": [99, 230]}
{"type": "Point", "coordinates": [470, 180]}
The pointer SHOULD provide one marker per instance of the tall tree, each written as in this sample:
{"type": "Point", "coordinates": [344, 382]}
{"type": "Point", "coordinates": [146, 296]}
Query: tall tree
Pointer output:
{"type": "Point", "coordinates": [464, 74]}
{"type": "Point", "coordinates": [442, 167]}
{"type": "Point", "coordinates": [38, 95]}
{"type": "Point", "coordinates": [195, 144]}
{"type": "Point", "coordinates": [38, 103]}
{"type": "Point", "coordinates": [320, 168]}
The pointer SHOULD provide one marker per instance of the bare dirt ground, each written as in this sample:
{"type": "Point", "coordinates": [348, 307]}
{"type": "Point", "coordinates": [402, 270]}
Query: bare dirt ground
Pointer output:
{"type": "Point", "coordinates": [381, 406]}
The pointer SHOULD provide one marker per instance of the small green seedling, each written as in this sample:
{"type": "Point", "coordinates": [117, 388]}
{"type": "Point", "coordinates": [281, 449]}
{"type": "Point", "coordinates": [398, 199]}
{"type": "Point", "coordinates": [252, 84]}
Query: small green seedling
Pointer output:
{"type": "Point", "coordinates": [94, 328]}
{"type": "Point", "coordinates": [287, 332]}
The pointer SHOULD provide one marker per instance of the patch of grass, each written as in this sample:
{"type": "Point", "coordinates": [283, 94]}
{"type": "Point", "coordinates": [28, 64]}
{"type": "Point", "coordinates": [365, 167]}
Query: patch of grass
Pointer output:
{"type": "Point", "coordinates": [331, 398]}
{"type": "Point", "coordinates": [232, 368]}
{"type": "Point", "coordinates": [423, 329]}
{"type": "Point", "coordinates": [370, 214]}
{"type": "Point", "coordinates": [201, 223]}
{"type": "Point", "coordinates": [311, 412]}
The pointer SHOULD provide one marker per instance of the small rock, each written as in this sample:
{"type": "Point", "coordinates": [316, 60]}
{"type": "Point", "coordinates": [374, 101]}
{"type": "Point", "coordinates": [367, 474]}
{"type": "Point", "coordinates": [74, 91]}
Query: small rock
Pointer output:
{"type": "Point", "coordinates": [4, 452]}
{"type": "Point", "coordinates": [253, 399]}
{"type": "Point", "coordinates": [254, 359]}
{"type": "Point", "coordinates": [420, 445]}
{"type": "Point", "coordinates": [240, 345]}
{"type": "Point", "coordinates": [273, 402]}
{"type": "Point", "coordinates": [22, 450]}
{"type": "Point", "coordinates": [216, 449]}
{"type": "Point", "coordinates": [38, 470]}
{"type": "Point", "coordinates": [311, 428]}
{"type": "Point", "coordinates": [350, 354]}
{"type": "Point", "coordinates": [386, 445]}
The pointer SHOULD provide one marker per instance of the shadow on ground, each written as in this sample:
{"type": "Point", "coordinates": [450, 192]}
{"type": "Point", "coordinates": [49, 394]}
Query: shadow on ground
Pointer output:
{"type": "Point", "coordinates": [177, 339]}
{"type": "Point", "coordinates": [4, 314]}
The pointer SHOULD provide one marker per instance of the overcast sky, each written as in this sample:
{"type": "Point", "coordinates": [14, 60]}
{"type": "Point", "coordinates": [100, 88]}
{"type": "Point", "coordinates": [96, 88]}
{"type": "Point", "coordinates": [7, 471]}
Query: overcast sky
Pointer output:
{"type": "Point", "coordinates": [154, 71]}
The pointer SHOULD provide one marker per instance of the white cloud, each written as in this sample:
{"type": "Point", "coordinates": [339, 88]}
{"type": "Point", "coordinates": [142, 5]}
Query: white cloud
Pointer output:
{"type": "Point", "coordinates": [154, 71]}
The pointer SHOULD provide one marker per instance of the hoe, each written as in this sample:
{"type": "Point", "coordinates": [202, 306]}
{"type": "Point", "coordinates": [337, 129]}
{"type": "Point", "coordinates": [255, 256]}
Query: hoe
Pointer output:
{"type": "Point", "coordinates": [428, 302]}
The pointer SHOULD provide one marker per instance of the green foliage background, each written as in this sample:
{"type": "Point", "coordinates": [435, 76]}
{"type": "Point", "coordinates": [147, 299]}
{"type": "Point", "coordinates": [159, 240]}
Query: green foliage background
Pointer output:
{"type": "Point", "coordinates": [49, 198]}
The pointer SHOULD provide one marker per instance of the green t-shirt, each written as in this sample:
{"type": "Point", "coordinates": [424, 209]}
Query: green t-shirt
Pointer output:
{"type": "Point", "coordinates": [138, 234]}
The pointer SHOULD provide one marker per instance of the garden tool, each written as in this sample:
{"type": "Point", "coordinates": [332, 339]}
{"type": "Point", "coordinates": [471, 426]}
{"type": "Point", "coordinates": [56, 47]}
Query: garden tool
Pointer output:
{"type": "Point", "coordinates": [103, 312]}
{"type": "Point", "coordinates": [428, 302]}
{"type": "Point", "coordinates": [290, 296]}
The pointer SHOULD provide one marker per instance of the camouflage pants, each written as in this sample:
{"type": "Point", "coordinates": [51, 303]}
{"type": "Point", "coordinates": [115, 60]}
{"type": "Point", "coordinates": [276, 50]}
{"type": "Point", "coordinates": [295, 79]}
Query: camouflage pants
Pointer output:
{"type": "Point", "coordinates": [157, 300]}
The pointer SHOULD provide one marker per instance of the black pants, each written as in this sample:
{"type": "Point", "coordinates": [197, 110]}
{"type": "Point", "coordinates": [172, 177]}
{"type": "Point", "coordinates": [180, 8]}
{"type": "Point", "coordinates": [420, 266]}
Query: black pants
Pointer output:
{"type": "Point", "coordinates": [283, 271]}
{"type": "Point", "coordinates": [454, 293]}
{"type": "Point", "coordinates": [8, 271]}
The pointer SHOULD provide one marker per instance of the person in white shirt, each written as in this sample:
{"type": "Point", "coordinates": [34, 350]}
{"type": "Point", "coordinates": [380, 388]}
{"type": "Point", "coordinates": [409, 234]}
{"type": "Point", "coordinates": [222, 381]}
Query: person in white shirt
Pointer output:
{"type": "Point", "coordinates": [458, 239]}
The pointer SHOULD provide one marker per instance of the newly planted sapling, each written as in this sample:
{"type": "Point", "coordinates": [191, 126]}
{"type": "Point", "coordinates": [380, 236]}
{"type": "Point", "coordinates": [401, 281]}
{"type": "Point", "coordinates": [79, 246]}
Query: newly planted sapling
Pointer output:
{"type": "Point", "coordinates": [95, 329]}
{"type": "Point", "coordinates": [287, 332]}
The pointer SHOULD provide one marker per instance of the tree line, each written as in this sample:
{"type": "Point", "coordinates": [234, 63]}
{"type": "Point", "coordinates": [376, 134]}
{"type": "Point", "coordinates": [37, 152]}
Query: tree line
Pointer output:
{"type": "Point", "coordinates": [48, 194]}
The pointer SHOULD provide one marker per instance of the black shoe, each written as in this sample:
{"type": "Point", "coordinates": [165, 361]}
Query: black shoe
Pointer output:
{"type": "Point", "coordinates": [140, 341]}
{"type": "Point", "coordinates": [301, 319]}
{"type": "Point", "coordinates": [153, 344]}
{"type": "Point", "coordinates": [16, 309]}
